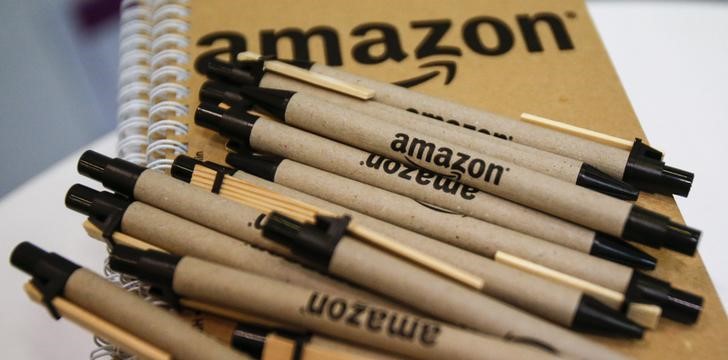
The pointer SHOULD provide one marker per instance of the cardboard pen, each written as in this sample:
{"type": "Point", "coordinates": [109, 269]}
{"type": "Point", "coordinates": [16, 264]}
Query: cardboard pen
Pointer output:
{"type": "Point", "coordinates": [567, 169]}
{"type": "Point", "coordinates": [272, 137]}
{"type": "Point", "coordinates": [345, 318]}
{"type": "Point", "coordinates": [468, 233]}
{"type": "Point", "coordinates": [123, 340]}
{"type": "Point", "coordinates": [477, 236]}
{"type": "Point", "coordinates": [560, 304]}
{"type": "Point", "coordinates": [56, 276]}
{"type": "Point", "coordinates": [267, 343]}
{"type": "Point", "coordinates": [351, 193]}
{"type": "Point", "coordinates": [443, 191]}
{"type": "Point", "coordinates": [339, 253]}
{"type": "Point", "coordinates": [221, 214]}
{"type": "Point", "coordinates": [642, 166]}
{"type": "Point", "coordinates": [183, 237]}
{"type": "Point", "coordinates": [481, 171]}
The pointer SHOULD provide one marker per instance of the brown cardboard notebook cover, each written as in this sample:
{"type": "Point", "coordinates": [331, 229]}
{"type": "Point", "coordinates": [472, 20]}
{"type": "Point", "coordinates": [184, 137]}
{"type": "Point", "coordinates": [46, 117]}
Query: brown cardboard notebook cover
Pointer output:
{"type": "Point", "coordinates": [481, 53]}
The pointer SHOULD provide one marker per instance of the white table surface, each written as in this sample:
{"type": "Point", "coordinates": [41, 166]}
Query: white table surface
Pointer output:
{"type": "Point", "coordinates": [670, 56]}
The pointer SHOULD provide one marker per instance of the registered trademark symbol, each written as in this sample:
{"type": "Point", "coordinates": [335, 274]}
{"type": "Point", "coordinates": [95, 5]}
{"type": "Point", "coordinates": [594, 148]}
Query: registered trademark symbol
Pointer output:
{"type": "Point", "coordinates": [571, 14]}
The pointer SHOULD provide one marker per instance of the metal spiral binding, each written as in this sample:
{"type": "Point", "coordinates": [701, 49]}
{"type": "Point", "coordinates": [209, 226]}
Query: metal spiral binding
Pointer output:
{"type": "Point", "coordinates": [152, 104]}
{"type": "Point", "coordinates": [135, 56]}
{"type": "Point", "coordinates": [167, 131]}
{"type": "Point", "coordinates": [135, 45]}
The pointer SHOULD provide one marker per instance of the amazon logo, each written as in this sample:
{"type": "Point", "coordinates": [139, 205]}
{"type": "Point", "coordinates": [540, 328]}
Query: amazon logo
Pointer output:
{"type": "Point", "coordinates": [436, 44]}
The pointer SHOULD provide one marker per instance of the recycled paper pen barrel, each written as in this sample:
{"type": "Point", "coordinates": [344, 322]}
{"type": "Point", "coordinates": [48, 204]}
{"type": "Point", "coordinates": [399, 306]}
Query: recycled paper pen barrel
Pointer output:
{"type": "Point", "coordinates": [345, 318]}
{"type": "Point", "coordinates": [465, 232]}
{"type": "Point", "coordinates": [121, 339]}
{"type": "Point", "coordinates": [263, 342]}
{"type": "Point", "coordinates": [344, 256]}
{"type": "Point", "coordinates": [371, 200]}
{"type": "Point", "coordinates": [183, 237]}
{"type": "Point", "coordinates": [272, 137]}
{"type": "Point", "coordinates": [468, 233]}
{"type": "Point", "coordinates": [184, 200]}
{"type": "Point", "coordinates": [58, 276]}
{"type": "Point", "coordinates": [641, 167]}
{"type": "Point", "coordinates": [476, 236]}
{"type": "Point", "coordinates": [561, 304]}
{"type": "Point", "coordinates": [498, 177]}
{"type": "Point", "coordinates": [567, 169]}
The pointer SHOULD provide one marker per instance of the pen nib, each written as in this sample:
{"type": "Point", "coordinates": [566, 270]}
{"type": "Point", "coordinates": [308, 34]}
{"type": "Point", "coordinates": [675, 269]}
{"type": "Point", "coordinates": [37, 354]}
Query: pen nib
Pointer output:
{"type": "Point", "coordinates": [596, 318]}
{"type": "Point", "coordinates": [594, 179]}
{"type": "Point", "coordinates": [271, 100]}
{"type": "Point", "coordinates": [614, 249]}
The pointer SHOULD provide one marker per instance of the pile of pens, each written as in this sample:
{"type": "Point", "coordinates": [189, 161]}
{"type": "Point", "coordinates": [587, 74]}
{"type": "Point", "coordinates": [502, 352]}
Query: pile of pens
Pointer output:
{"type": "Point", "coordinates": [355, 219]}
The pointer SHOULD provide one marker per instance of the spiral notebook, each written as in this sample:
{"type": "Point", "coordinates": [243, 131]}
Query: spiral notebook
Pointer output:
{"type": "Point", "coordinates": [507, 56]}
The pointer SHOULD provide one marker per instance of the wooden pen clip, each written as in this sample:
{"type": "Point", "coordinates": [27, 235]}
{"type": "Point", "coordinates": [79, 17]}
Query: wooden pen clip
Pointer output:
{"type": "Point", "coordinates": [269, 201]}
{"type": "Point", "coordinates": [647, 315]}
{"type": "Point", "coordinates": [119, 238]}
{"type": "Point", "coordinates": [128, 240]}
{"type": "Point", "coordinates": [578, 131]}
{"type": "Point", "coordinates": [320, 80]}
{"type": "Point", "coordinates": [102, 328]}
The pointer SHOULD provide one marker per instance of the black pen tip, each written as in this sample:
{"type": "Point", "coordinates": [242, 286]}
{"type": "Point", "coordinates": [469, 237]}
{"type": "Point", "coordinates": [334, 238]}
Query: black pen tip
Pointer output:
{"type": "Point", "coordinates": [125, 259]}
{"type": "Point", "coordinates": [657, 230]}
{"type": "Point", "coordinates": [250, 339]}
{"type": "Point", "coordinates": [93, 164]}
{"type": "Point", "coordinates": [646, 170]}
{"type": "Point", "coordinates": [80, 198]}
{"type": "Point", "coordinates": [596, 318]}
{"type": "Point", "coordinates": [153, 266]}
{"type": "Point", "coordinates": [677, 181]}
{"type": "Point", "coordinates": [49, 270]}
{"type": "Point", "coordinates": [682, 306]}
{"type": "Point", "coordinates": [241, 73]}
{"type": "Point", "coordinates": [676, 304]}
{"type": "Point", "coordinates": [271, 100]}
{"type": "Point", "coordinates": [594, 179]}
{"type": "Point", "coordinates": [616, 250]}
{"type": "Point", "coordinates": [114, 173]}
{"type": "Point", "coordinates": [220, 92]}
{"type": "Point", "coordinates": [209, 116]}
{"type": "Point", "coordinates": [233, 122]}
{"type": "Point", "coordinates": [26, 256]}
{"type": "Point", "coordinates": [262, 166]}
{"type": "Point", "coordinates": [681, 238]}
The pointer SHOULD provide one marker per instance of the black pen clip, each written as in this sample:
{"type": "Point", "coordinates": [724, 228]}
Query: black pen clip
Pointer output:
{"type": "Point", "coordinates": [50, 272]}
{"type": "Point", "coordinates": [300, 341]}
{"type": "Point", "coordinates": [315, 242]}
{"type": "Point", "coordinates": [642, 150]}
{"type": "Point", "coordinates": [166, 294]}
{"type": "Point", "coordinates": [333, 226]}
{"type": "Point", "coordinates": [154, 267]}
{"type": "Point", "coordinates": [49, 290]}
{"type": "Point", "coordinates": [108, 225]}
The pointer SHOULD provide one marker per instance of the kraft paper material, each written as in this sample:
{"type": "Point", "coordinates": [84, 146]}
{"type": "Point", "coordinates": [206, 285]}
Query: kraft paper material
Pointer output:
{"type": "Point", "coordinates": [575, 84]}
{"type": "Point", "coordinates": [186, 238]}
{"type": "Point", "coordinates": [367, 325]}
{"type": "Point", "coordinates": [468, 233]}
{"type": "Point", "coordinates": [531, 293]}
{"type": "Point", "coordinates": [143, 319]}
